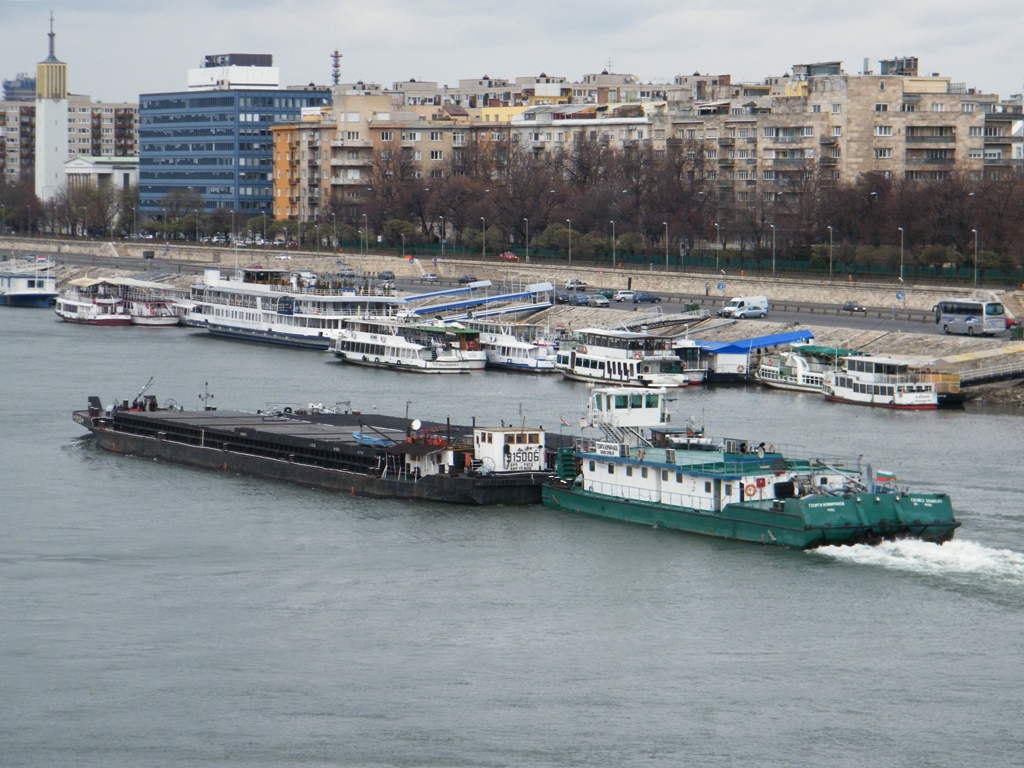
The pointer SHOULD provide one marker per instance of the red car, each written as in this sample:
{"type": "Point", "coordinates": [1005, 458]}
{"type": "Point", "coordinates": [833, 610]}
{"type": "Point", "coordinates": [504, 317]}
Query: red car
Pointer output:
{"type": "Point", "coordinates": [508, 256]}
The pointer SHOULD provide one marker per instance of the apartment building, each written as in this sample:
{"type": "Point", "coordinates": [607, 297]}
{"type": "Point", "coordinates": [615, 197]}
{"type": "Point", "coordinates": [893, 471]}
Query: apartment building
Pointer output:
{"type": "Point", "coordinates": [548, 129]}
{"type": "Point", "coordinates": [18, 137]}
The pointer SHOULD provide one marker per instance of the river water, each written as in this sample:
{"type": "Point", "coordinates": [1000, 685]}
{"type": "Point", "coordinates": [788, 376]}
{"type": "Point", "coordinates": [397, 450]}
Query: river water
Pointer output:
{"type": "Point", "coordinates": [157, 615]}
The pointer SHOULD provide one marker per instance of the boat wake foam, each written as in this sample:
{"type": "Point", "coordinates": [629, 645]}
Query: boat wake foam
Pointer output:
{"type": "Point", "coordinates": [954, 559]}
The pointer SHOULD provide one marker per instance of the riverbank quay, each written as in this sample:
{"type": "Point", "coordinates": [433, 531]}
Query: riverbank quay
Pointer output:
{"type": "Point", "coordinates": [822, 295]}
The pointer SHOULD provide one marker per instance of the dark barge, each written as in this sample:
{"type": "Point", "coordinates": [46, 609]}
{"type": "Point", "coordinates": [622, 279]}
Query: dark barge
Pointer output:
{"type": "Point", "coordinates": [375, 456]}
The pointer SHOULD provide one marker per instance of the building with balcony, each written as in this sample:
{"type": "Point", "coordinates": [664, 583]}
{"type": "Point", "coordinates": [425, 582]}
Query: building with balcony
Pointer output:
{"type": "Point", "coordinates": [215, 138]}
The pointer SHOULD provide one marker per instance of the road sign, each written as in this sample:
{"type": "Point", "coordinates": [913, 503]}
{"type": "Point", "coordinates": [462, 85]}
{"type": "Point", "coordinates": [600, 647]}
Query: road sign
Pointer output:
{"type": "Point", "coordinates": [721, 286]}
{"type": "Point", "coordinates": [899, 295]}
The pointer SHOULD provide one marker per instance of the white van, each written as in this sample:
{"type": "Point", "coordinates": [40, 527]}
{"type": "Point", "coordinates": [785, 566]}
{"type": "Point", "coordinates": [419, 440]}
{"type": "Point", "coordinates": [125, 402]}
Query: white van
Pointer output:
{"type": "Point", "coordinates": [746, 306]}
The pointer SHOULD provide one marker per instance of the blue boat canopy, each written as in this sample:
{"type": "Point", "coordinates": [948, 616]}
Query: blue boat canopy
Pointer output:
{"type": "Point", "coordinates": [744, 346]}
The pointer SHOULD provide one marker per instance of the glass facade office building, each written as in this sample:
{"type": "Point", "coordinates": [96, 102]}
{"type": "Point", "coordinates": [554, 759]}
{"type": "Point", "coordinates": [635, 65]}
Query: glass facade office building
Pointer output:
{"type": "Point", "coordinates": [216, 143]}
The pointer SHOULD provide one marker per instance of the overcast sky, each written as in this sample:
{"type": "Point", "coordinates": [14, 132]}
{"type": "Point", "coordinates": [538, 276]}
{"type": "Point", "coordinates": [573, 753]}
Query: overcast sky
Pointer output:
{"type": "Point", "coordinates": [117, 49]}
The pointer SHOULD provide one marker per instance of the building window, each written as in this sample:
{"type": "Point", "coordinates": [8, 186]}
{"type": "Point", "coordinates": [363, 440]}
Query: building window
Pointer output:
{"type": "Point", "coordinates": [837, 109]}
{"type": "Point", "coordinates": [435, 135]}
{"type": "Point", "coordinates": [881, 107]}
{"type": "Point", "coordinates": [815, 107]}
{"type": "Point", "coordinates": [808, 130]}
{"type": "Point", "coordinates": [436, 154]}
{"type": "Point", "coordinates": [974, 130]}
{"type": "Point", "coordinates": [969, 106]}
{"type": "Point", "coordinates": [883, 154]}
{"type": "Point", "coordinates": [387, 136]}
{"type": "Point", "coordinates": [837, 130]}
{"type": "Point", "coordinates": [771, 133]}
{"type": "Point", "coordinates": [769, 175]}
{"type": "Point", "coordinates": [938, 107]}
{"type": "Point", "coordinates": [883, 130]}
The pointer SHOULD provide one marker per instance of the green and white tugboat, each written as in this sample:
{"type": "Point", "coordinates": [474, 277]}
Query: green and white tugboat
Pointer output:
{"type": "Point", "coordinates": [643, 470]}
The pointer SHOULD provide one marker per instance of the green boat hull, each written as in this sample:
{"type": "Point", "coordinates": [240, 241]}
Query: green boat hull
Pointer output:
{"type": "Point", "coordinates": [798, 523]}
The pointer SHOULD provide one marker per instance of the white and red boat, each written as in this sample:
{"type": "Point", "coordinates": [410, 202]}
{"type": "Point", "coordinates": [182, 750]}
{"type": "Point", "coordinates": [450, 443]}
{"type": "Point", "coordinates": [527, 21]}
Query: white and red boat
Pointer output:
{"type": "Point", "coordinates": [92, 302]}
{"type": "Point", "coordinates": [886, 382]}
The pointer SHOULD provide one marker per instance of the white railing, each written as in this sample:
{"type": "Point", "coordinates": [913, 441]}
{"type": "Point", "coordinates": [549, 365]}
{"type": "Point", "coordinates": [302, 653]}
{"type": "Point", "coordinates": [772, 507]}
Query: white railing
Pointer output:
{"type": "Point", "coordinates": [654, 496]}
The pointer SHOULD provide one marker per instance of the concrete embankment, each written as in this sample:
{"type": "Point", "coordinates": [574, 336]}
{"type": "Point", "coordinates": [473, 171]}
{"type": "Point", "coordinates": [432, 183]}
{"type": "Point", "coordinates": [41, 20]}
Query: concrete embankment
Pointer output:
{"type": "Point", "coordinates": [807, 291]}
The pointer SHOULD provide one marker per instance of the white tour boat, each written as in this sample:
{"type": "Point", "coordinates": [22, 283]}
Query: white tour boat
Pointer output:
{"type": "Point", "coordinates": [626, 357]}
{"type": "Point", "coordinates": [802, 369]}
{"type": "Point", "coordinates": [506, 350]}
{"type": "Point", "coordinates": [281, 307]}
{"type": "Point", "coordinates": [888, 382]}
{"type": "Point", "coordinates": [92, 302]}
{"type": "Point", "coordinates": [392, 343]}
{"type": "Point", "coordinates": [150, 304]}
{"type": "Point", "coordinates": [28, 282]}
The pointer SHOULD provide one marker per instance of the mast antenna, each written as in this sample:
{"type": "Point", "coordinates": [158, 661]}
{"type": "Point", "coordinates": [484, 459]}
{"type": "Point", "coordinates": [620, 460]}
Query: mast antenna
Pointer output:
{"type": "Point", "coordinates": [336, 66]}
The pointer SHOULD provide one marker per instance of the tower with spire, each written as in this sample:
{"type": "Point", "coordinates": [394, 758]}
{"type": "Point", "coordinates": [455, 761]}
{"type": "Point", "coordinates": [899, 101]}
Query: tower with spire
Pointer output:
{"type": "Point", "coordinates": [51, 123]}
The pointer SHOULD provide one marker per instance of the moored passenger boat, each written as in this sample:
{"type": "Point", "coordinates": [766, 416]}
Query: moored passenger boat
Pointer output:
{"type": "Point", "coordinates": [627, 357]}
{"type": "Point", "coordinates": [279, 307]}
{"type": "Point", "coordinates": [802, 369]}
{"type": "Point", "coordinates": [886, 382]}
{"type": "Point", "coordinates": [28, 282]}
{"type": "Point", "coordinates": [734, 488]}
{"type": "Point", "coordinates": [506, 350]}
{"type": "Point", "coordinates": [92, 302]}
{"type": "Point", "coordinates": [392, 343]}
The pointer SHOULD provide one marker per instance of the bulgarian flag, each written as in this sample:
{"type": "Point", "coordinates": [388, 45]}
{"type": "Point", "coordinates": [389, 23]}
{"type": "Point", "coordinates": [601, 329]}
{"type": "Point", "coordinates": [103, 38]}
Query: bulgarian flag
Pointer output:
{"type": "Point", "coordinates": [885, 477]}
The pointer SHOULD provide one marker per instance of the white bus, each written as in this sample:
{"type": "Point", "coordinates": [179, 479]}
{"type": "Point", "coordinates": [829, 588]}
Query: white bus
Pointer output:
{"type": "Point", "coordinates": [970, 316]}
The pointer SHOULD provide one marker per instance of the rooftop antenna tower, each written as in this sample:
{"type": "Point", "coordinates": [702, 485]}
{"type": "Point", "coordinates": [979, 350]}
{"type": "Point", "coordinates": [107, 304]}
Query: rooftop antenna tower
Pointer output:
{"type": "Point", "coordinates": [336, 67]}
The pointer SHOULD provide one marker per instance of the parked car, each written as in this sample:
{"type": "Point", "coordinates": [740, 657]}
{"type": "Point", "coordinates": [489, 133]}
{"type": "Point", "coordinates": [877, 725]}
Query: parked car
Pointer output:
{"type": "Point", "coordinates": [387, 276]}
{"type": "Point", "coordinates": [575, 284]}
{"type": "Point", "coordinates": [854, 306]}
{"type": "Point", "coordinates": [745, 306]}
{"type": "Point", "coordinates": [466, 279]}
{"type": "Point", "coordinates": [625, 295]}
{"type": "Point", "coordinates": [430, 277]}
{"type": "Point", "coordinates": [579, 300]}
{"type": "Point", "coordinates": [561, 297]}
{"type": "Point", "coordinates": [598, 300]}
{"type": "Point", "coordinates": [508, 256]}
{"type": "Point", "coordinates": [646, 298]}
{"type": "Point", "coordinates": [283, 256]}
{"type": "Point", "coordinates": [608, 293]}
{"type": "Point", "coordinates": [348, 273]}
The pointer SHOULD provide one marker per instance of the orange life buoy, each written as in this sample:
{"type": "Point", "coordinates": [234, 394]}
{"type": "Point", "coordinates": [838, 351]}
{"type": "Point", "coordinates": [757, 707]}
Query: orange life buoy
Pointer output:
{"type": "Point", "coordinates": [770, 361]}
{"type": "Point", "coordinates": [751, 490]}
{"type": "Point", "coordinates": [583, 349]}
{"type": "Point", "coordinates": [739, 369]}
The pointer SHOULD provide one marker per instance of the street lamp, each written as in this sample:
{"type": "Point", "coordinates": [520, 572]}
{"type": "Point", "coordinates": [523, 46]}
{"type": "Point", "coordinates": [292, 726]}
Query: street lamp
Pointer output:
{"type": "Point", "coordinates": [569, 221]}
{"type": "Point", "coordinates": [829, 253]}
{"type": "Point", "coordinates": [665, 224]}
{"type": "Point", "coordinates": [3, 218]}
{"type": "Point", "coordinates": [366, 233]}
{"type": "Point", "coordinates": [442, 236]}
{"type": "Point", "coordinates": [613, 242]}
{"type": "Point", "coordinates": [527, 238]}
{"type": "Point", "coordinates": [901, 254]}
{"type": "Point", "coordinates": [264, 215]}
{"type": "Point", "coordinates": [975, 257]}
{"type": "Point", "coordinates": [483, 233]}
{"type": "Point", "coordinates": [718, 243]}
{"type": "Point", "coordinates": [335, 217]}
{"type": "Point", "coordinates": [773, 249]}
{"type": "Point", "coordinates": [403, 243]}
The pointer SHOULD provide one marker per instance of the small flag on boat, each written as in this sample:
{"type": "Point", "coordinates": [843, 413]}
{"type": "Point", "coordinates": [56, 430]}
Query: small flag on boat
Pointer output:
{"type": "Point", "coordinates": [885, 477]}
{"type": "Point", "coordinates": [564, 422]}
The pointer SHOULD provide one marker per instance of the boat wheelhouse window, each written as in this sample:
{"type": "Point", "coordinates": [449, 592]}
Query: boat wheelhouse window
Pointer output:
{"type": "Point", "coordinates": [636, 401]}
{"type": "Point", "coordinates": [621, 401]}
{"type": "Point", "coordinates": [510, 439]}
{"type": "Point", "coordinates": [599, 402]}
{"type": "Point", "coordinates": [611, 469]}
{"type": "Point", "coordinates": [993, 309]}
{"type": "Point", "coordinates": [533, 438]}
{"type": "Point", "coordinates": [643, 471]}
{"type": "Point", "coordinates": [490, 437]}
{"type": "Point", "coordinates": [679, 477]}
{"type": "Point", "coordinates": [651, 401]}
{"type": "Point", "coordinates": [592, 465]}
{"type": "Point", "coordinates": [521, 437]}
{"type": "Point", "coordinates": [629, 471]}
{"type": "Point", "coordinates": [707, 487]}
{"type": "Point", "coordinates": [664, 475]}
{"type": "Point", "coordinates": [728, 489]}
